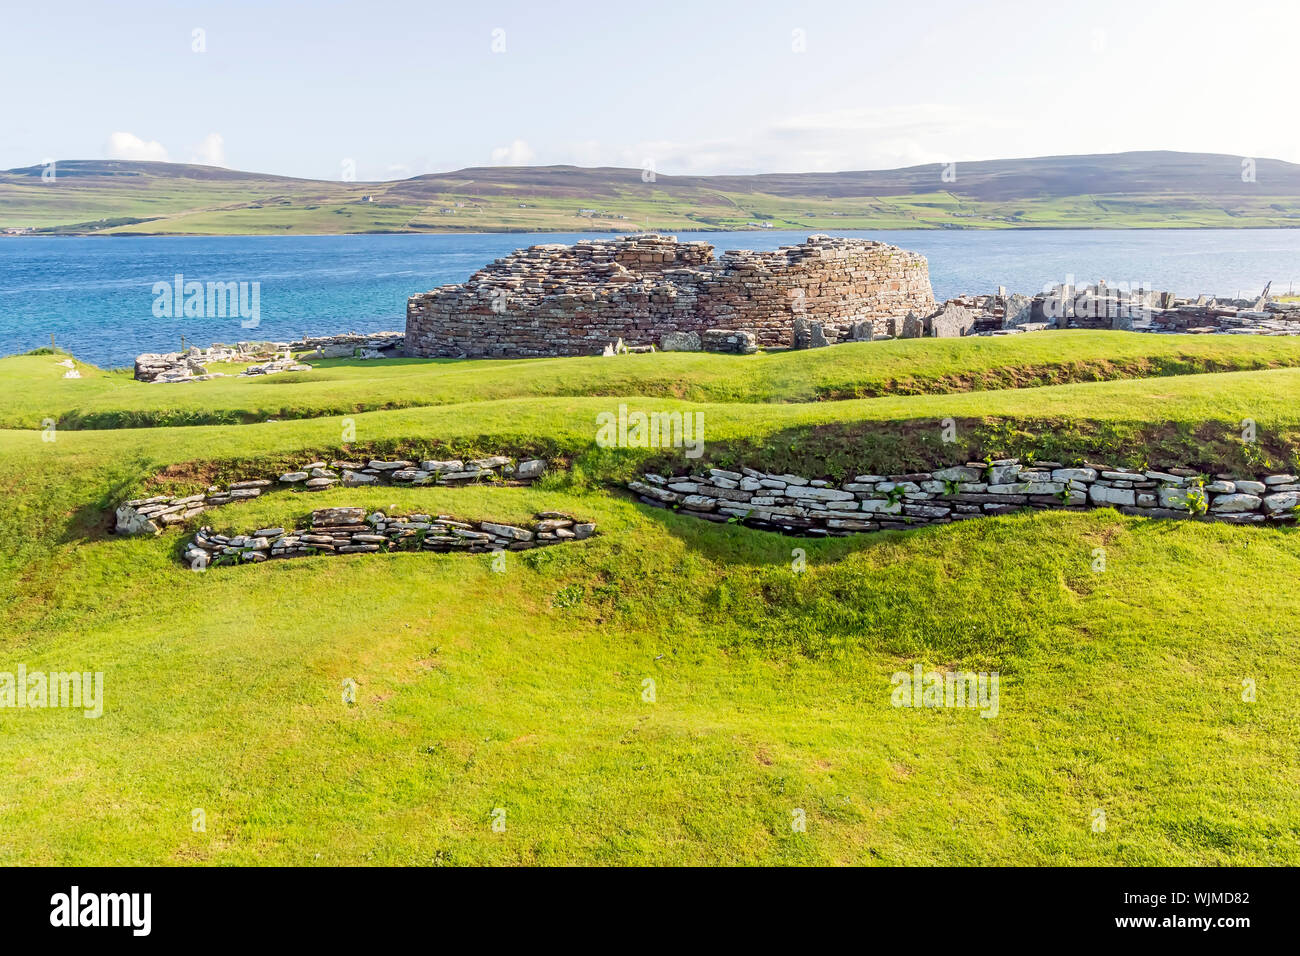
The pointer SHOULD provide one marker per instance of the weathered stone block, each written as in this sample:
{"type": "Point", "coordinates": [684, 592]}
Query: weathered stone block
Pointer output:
{"type": "Point", "coordinates": [1282, 501]}
{"type": "Point", "coordinates": [952, 322]}
{"type": "Point", "coordinates": [1018, 311]}
{"type": "Point", "coordinates": [1233, 503]}
{"type": "Point", "coordinates": [735, 341]}
{"type": "Point", "coordinates": [681, 342]}
{"type": "Point", "coordinates": [530, 470]}
{"type": "Point", "coordinates": [1103, 495]}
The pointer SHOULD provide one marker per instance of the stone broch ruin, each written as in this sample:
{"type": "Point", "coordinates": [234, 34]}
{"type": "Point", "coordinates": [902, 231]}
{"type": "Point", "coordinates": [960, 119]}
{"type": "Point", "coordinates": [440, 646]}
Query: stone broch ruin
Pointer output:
{"type": "Point", "coordinates": [575, 300]}
{"type": "Point", "coordinates": [638, 293]}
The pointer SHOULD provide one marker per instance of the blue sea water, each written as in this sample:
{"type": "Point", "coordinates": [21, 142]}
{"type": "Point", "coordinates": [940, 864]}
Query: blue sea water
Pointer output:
{"type": "Point", "coordinates": [95, 295]}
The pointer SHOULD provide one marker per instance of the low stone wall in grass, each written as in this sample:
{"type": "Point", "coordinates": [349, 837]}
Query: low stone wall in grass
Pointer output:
{"type": "Point", "coordinates": [799, 505]}
{"type": "Point", "coordinates": [353, 531]}
{"type": "Point", "coordinates": [152, 515]}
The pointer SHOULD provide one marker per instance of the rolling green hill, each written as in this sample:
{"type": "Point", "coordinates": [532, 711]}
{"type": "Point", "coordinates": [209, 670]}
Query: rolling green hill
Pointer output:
{"type": "Point", "coordinates": [523, 691]}
{"type": "Point", "coordinates": [1123, 190]}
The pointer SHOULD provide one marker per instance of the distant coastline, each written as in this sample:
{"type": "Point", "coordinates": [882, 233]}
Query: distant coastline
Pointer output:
{"type": "Point", "coordinates": [1136, 190]}
{"type": "Point", "coordinates": [557, 231]}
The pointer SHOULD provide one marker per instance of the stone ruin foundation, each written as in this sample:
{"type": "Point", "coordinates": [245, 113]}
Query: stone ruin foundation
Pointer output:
{"type": "Point", "coordinates": [576, 300]}
{"type": "Point", "coordinates": [354, 531]}
{"type": "Point", "coordinates": [191, 365]}
{"type": "Point", "coordinates": [794, 504]}
{"type": "Point", "coordinates": [153, 515]}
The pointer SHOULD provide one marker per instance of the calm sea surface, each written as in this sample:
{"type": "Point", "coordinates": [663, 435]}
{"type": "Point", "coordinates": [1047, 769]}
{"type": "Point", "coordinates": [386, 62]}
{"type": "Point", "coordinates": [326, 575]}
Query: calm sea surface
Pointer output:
{"type": "Point", "coordinates": [96, 295]}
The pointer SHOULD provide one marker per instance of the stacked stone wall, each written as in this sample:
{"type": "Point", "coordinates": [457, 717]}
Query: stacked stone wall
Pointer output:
{"type": "Point", "coordinates": [796, 504]}
{"type": "Point", "coordinates": [576, 300]}
{"type": "Point", "coordinates": [354, 531]}
{"type": "Point", "coordinates": [153, 515]}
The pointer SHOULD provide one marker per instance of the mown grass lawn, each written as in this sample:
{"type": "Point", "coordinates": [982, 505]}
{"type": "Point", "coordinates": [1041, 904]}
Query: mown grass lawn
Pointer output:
{"type": "Point", "coordinates": [523, 691]}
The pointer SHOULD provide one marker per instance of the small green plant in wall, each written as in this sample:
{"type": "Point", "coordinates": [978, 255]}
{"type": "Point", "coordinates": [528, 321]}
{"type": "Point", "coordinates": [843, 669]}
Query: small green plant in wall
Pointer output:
{"type": "Point", "coordinates": [1253, 454]}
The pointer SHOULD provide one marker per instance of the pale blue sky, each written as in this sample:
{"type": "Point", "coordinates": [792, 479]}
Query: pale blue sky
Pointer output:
{"type": "Point", "coordinates": [403, 87]}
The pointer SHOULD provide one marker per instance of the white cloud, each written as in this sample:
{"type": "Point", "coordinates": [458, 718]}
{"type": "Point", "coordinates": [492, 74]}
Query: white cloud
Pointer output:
{"type": "Point", "coordinates": [129, 146]}
{"type": "Point", "coordinates": [518, 153]}
{"type": "Point", "coordinates": [828, 141]}
{"type": "Point", "coordinates": [210, 152]}
{"type": "Point", "coordinates": [588, 152]}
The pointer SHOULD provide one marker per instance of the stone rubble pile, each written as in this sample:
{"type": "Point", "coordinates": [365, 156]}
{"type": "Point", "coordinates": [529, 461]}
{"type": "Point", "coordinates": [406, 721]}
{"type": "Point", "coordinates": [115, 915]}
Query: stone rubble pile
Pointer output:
{"type": "Point", "coordinates": [1275, 318]}
{"type": "Point", "coordinates": [1100, 306]}
{"type": "Point", "coordinates": [191, 365]}
{"type": "Point", "coordinates": [152, 515]}
{"type": "Point", "coordinates": [187, 366]}
{"type": "Point", "coordinates": [1094, 306]}
{"type": "Point", "coordinates": [794, 504]}
{"type": "Point", "coordinates": [953, 319]}
{"type": "Point", "coordinates": [576, 300]}
{"type": "Point", "coordinates": [286, 363]}
{"type": "Point", "coordinates": [374, 345]}
{"type": "Point", "coordinates": [999, 313]}
{"type": "Point", "coordinates": [353, 531]}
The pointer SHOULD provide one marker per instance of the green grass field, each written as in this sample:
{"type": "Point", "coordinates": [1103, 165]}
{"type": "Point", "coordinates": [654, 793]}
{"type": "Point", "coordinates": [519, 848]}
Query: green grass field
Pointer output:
{"type": "Point", "coordinates": [522, 691]}
{"type": "Point", "coordinates": [904, 367]}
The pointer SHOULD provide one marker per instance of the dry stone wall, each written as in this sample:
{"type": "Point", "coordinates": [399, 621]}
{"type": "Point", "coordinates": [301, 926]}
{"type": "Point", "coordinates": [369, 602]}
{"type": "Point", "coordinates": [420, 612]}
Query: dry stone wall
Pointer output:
{"type": "Point", "coordinates": [152, 515]}
{"type": "Point", "coordinates": [794, 504]}
{"type": "Point", "coordinates": [575, 300]}
{"type": "Point", "coordinates": [353, 531]}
